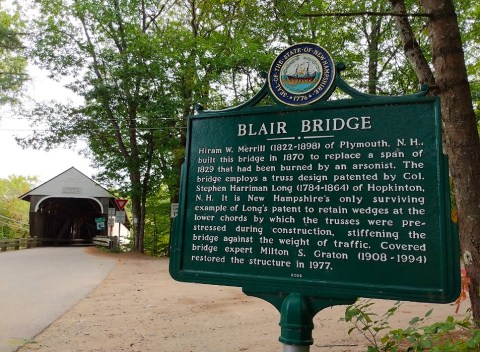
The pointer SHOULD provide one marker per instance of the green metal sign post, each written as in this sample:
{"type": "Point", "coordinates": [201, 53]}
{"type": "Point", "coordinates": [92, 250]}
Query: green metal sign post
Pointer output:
{"type": "Point", "coordinates": [313, 202]}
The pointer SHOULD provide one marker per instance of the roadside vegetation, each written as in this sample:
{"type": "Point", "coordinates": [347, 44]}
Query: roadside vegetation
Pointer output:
{"type": "Point", "coordinates": [13, 211]}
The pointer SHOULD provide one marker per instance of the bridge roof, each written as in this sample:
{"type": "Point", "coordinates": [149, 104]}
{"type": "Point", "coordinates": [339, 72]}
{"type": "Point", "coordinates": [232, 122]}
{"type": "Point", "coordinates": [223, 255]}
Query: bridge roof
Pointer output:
{"type": "Point", "coordinates": [69, 184]}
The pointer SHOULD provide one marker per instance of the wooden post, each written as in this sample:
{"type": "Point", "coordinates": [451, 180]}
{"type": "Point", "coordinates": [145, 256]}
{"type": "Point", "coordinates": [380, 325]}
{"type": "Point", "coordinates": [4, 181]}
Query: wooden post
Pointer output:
{"type": "Point", "coordinates": [3, 244]}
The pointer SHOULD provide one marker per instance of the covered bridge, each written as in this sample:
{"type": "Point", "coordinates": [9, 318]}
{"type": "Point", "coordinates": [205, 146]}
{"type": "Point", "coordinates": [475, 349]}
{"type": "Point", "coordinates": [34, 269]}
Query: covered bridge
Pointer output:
{"type": "Point", "coordinates": [70, 208]}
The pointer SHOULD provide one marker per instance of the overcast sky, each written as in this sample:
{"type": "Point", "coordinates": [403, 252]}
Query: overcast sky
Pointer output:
{"type": "Point", "coordinates": [17, 161]}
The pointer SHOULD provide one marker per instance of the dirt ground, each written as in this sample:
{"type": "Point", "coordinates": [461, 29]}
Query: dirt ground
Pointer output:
{"type": "Point", "coordinates": [140, 308]}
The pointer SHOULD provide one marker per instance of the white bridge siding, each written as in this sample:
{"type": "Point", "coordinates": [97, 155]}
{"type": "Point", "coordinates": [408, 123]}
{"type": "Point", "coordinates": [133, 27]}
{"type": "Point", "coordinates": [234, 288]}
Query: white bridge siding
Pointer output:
{"type": "Point", "coordinates": [64, 208]}
{"type": "Point", "coordinates": [70, 184]}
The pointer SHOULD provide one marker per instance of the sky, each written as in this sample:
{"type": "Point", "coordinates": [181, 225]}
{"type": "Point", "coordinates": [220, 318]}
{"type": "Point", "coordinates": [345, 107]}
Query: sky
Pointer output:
{"type": "Point", "coordinates": [28, 162]}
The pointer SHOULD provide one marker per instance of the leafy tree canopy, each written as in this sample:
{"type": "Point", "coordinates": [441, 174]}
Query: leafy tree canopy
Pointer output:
{"type": "Point", "coordinates": [141, 65]}
{"type": "Point", "coordinates": [14, 212]}
{"type": "Point", "coordinates": [12, 60]}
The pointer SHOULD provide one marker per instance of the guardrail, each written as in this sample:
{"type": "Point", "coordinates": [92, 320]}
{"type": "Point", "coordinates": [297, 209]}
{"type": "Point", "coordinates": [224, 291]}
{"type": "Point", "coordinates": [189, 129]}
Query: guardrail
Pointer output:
{"type": "Point", "coordinates": [19, 243]}
{"type": "Point", "coordinates": [103, 241]}
{"type": "Point", "coordinates": [7, 244]}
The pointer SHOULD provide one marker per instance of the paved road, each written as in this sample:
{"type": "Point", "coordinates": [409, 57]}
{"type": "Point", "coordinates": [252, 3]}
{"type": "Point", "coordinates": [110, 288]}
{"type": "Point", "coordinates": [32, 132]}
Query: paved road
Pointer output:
{"type": "Point", "coordinates": [38, 285]}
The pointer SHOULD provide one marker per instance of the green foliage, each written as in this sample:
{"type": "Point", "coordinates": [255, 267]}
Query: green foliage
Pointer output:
{"type": "Point", "coordinates": [477, 109]}
{"type": "Point", "coordinates": [468, 14]}
{"type": "Point", "coordinates": [366, 322]}
{"type": "Point", "coordinates": [157, 223]}
{"type": "Point", "coordinates": [140, 67]}
{"type": "Point", "coordinates": [449, 335]}
{"type": "Point", "coordinates": [14, 213]}
{"type": "Point", "coordinates": [12, 59]}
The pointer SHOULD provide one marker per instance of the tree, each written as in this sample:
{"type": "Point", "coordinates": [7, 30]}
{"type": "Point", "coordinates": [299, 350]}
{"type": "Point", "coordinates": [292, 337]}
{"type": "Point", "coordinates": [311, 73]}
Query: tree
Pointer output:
{"type": "Point", "coordinates": [368, 45]}
{"type": "Point", "coordinates": [461, 136]}
{"type": "Point", "coordinates": [14, 213]}
{"type": "Point", "coordinates": [450, 81]}
{"type": "Point", "coordinates": [129, 112]}
{"type": "Point", "coordinates": [140, 66]}
{"type": "Point", "coordinates": [157, 223]}
{"type": "Point", "coordinates": [12, 61]}
{"type": "Point", "coordinates": [215, 43]}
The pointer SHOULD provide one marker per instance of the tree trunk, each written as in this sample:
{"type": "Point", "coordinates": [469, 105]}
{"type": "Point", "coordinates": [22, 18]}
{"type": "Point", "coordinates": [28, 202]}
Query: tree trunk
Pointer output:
{"type": "Point", "coordinates": [373, 54]}
{"type": "Point", "coordinates": [137, 206]}
{"type": "Point", "coordinates": [460, 133]}
{"type": "Point", "coordinates": [138, 229]}
{"type": "Point", "coordinates": [411, 48]}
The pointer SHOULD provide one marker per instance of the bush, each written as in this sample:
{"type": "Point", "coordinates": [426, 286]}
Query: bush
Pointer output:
{"type": "Point", "coordinates": [450, 335]}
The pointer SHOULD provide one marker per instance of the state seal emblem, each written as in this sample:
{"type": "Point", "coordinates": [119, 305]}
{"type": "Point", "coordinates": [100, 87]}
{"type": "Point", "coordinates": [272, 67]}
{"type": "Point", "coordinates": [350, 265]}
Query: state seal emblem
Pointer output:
{"type": "Point", "coordinates": [301, 74]}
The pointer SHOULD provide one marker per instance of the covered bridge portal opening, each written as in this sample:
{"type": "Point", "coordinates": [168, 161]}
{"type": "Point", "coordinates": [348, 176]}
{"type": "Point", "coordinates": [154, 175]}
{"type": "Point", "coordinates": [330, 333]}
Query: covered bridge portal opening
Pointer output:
{"type": "Point", "coordinates": [61, 221]}
{"type": "Point", "coordinates": [70, 208]}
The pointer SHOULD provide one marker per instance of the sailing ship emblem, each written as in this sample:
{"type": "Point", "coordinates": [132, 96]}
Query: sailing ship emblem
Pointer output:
{"type": "Point", "coordinates": [301, 74]}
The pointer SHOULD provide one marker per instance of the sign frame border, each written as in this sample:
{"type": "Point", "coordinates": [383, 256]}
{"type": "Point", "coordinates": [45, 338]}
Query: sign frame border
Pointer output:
{"type": "Point", "coordinates": [451, 277]}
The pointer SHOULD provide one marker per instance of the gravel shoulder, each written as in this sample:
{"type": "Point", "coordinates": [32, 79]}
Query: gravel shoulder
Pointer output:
{"type": "Point", "coordinates": [138, 307]}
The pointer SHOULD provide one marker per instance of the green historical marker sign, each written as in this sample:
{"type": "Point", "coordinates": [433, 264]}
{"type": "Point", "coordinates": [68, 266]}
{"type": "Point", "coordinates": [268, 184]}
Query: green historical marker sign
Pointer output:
{"type": "Point", "coordinates": [341, 198]}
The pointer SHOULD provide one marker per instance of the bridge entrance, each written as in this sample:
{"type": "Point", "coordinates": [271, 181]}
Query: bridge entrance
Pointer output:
{"type": "Point", "coordinates": [69, 209]}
